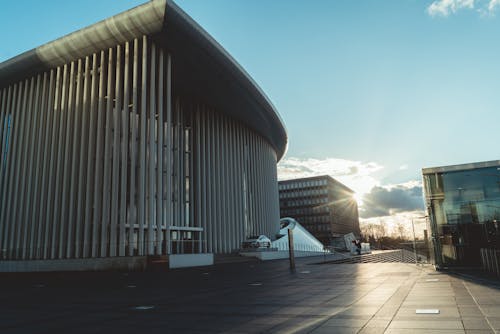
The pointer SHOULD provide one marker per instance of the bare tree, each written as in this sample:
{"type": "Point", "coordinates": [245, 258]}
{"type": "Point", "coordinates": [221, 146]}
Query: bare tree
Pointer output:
{"type": "Point", "coordinates": [401, 230]}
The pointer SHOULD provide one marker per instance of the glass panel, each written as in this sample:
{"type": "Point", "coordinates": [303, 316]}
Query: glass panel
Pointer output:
{"type": "Point", "coordinates": [464, 209]}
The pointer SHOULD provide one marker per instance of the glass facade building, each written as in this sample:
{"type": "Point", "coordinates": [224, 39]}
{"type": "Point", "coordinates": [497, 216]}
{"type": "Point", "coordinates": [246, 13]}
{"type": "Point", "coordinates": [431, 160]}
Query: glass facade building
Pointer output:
{"type": "Point", "coordinates": [463, 204]}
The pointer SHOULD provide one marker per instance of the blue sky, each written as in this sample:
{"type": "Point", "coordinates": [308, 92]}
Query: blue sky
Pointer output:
{"type": "Point", "coordinates": [370, 91]}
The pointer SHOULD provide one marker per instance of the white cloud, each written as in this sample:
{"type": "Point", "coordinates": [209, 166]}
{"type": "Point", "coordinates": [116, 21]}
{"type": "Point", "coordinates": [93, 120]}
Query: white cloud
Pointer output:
{"type": "Point", "coordinates": [392, 199]}
{"type": "Point", "coordinates": [403, 167]}
{"type": "Point", "coordinates": [407, 185]}
{"type": "Point", "coordinates": [492, 5]}
{"type": "Point", "coordinates": [356, 175]}
{"type": "Point", "coordinates": [447, 7]}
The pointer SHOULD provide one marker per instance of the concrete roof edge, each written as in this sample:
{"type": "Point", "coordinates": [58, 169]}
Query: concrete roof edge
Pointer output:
{"type": "Point", "coordinates": [460, 167]}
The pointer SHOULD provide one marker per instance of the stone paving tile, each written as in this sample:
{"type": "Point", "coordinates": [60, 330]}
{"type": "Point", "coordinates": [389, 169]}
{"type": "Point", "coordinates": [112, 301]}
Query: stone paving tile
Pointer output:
{"type": "Point", "coordinates": [267, 320]}
{"type": "Point", "coordinates": [475, 323]}
{"type": "Point", "coordinates": [429, 302]}
{"type": "Point", "coordinates": [335, 330]}
{"type": "Point", "coordinates": [387, 311]}
{"type": "Point", "coordinates": [426, 324]}
{"type": "Point", "coordinates": [470, 311]}
{"type": "Point", "coordinates": [324, 311]}
{"type": "Point", "coordinates": [372, 330]}
{"type": "Point", "coordinates": [423, 331]}
{"type": "Point", "coordinates": [296, 326]}
{"type": "Point", "coordinates": [345, 322]}
{"type": "Point", "coordinates": [375, 322]}
{"type": "Point", "coordinates": [495, 322]}
{"type": "Point", "coordinates": [360, 310]}
{"type": "Point", "coordinates": [465, 301]}
{"type": "Point", "coordinates": [491, 311]}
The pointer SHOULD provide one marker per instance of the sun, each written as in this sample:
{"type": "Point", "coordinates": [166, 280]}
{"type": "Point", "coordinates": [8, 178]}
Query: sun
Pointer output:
{"type": "Point", "coordinates": [358, 197]}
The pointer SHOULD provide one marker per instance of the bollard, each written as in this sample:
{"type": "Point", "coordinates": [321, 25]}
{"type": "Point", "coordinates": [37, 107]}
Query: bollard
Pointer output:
{"type": "Point", "coordinates": [290, 250]}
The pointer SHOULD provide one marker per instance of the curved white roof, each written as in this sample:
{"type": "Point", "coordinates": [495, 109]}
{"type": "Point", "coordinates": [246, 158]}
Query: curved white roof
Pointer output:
{"type": "Point", "coordinates": [302, 239]}
{"type": "Point", "coordinates": [198, 59]}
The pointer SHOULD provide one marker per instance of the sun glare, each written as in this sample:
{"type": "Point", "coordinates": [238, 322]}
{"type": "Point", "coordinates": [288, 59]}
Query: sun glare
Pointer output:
{"type": "Point", "coordinates": [358, 197]}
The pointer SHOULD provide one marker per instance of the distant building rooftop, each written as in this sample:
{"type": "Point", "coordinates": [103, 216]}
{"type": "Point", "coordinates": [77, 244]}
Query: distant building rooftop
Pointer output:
{"type": "Point", "coordinates": [319, 177]}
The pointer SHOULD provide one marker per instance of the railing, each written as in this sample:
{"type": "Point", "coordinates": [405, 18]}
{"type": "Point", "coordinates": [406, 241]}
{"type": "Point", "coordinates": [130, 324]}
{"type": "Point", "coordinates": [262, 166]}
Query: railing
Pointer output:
{"type": "Point", "coordinates": [490, 260]}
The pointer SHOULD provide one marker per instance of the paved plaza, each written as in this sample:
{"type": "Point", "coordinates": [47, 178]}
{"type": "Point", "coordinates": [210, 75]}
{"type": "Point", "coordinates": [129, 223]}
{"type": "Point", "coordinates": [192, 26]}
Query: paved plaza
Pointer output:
{"type": "Point", "coordinates": [252, 297]}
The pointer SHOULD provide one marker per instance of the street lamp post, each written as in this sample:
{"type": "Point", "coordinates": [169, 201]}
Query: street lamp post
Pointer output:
{"type": "Point", "coordinates": [414, 238]}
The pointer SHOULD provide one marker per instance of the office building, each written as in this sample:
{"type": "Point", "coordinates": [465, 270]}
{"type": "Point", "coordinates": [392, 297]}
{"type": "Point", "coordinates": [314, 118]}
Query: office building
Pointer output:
{"type": "Point", "coordinates": [463, 205]}
{"type": "Point", "coordinates": [136, 136]}
{"type": "Point", "coordinates": [321, 204]}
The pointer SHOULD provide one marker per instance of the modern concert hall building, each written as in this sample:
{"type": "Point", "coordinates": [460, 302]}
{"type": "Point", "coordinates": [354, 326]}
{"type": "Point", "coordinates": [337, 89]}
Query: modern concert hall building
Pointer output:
{"type": "Point", "coordinates": [136, 136]}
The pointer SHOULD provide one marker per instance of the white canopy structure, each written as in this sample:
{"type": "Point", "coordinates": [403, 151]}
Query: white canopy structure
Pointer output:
{"type": "Point", "coordinates": [302, 239]}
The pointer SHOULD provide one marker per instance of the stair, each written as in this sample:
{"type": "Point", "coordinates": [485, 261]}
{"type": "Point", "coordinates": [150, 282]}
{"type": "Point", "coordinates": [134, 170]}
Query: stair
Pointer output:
{"type": "Point", "coordinates": [397, 255]}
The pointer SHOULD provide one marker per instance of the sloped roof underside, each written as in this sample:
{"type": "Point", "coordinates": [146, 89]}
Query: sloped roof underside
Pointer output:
{"type": "Point", "coordinates": [202, 68]}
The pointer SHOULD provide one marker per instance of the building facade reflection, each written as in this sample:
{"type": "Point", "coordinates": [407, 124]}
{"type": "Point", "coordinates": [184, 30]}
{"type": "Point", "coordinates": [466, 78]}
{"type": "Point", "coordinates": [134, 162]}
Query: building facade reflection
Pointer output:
{"type": "Point", "coordinates": [463, 204]}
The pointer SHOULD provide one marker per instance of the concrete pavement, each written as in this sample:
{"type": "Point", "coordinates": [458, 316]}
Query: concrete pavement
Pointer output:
{"type": "Point", "coordinates": [251, 297]}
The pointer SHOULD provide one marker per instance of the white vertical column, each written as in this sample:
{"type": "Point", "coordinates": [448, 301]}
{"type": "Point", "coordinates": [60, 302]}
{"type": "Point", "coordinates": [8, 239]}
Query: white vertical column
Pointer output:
{"type": "Point", "coordinates": [83, 107]}
{"type": "Point", "coordinates": [106, 184]}
{"type": "Point", "coordinates": [179, 160]}
{"type": "Point", "coordinates": [61, 116]}
{"type": "Point", "coordinates": [197, 156]}
{"type": "Point", "coordinates": [92, 174]}
{"type": "Point", "coordinates": [19, 177]}
{"type": "Point", "coordinates": [7, 186]}
{"type": "Point", "coordinates": [124, 153]}
{"type": "Point", "coordinates": [261, 178]}
{"type": "Point", "coordinates": [74, 130]}
{"type": "Point", "coordinates": [213, 183]}
{"type": "Point", "coordinates": [6, 120]}
{"type": "Point", "coordinates": [234, 193]}
{"type": "Point", "coordinates": [26, 178]}
{"type": "Point", "coordinates": [218, 183]}
{"type": "Point", "coordinates": [68, 111]}
{"type": "Point", "coordinates": [169, 147]}
{"type": "Point", "coordinates": [267, 190]}
{"type": "Point", "coordinates": [142, 146]}
{"type": "Point", "coordinates": [42, 161]}
{"type": "Point", "coordinates": [225, 204]}
{"type": "Point", "coordinates": [224, 207]}
{"type": "Point", "coordinates": [9, 171]}
{"type": "Point", "coordinates": [207, 230]}
{"type": "Point", "coordinates": [133, 200]}
{"type": "Point", "coordinates": [243, 182]}
{"type": "Point", "coordinates": [152, 153]}
{"type": "Point", "coordinates": [232, 183]}
{"type": "Point", "coordinates": [29, 245]}
{"type": "Point", "coordinates": [115, 172]}
{"type": "Point", "coordinates": [39, 164]}
{"type": "Point", "coordinates": [48, 166]}
{"type": "Point", "coordinates": [253, 182]}
{"type": "Point", "coordinates": [3, 131]}
{"type": "Point", "coordinates": [98, 180]}
{"type": "Point", "coordinates": [159, 158]}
